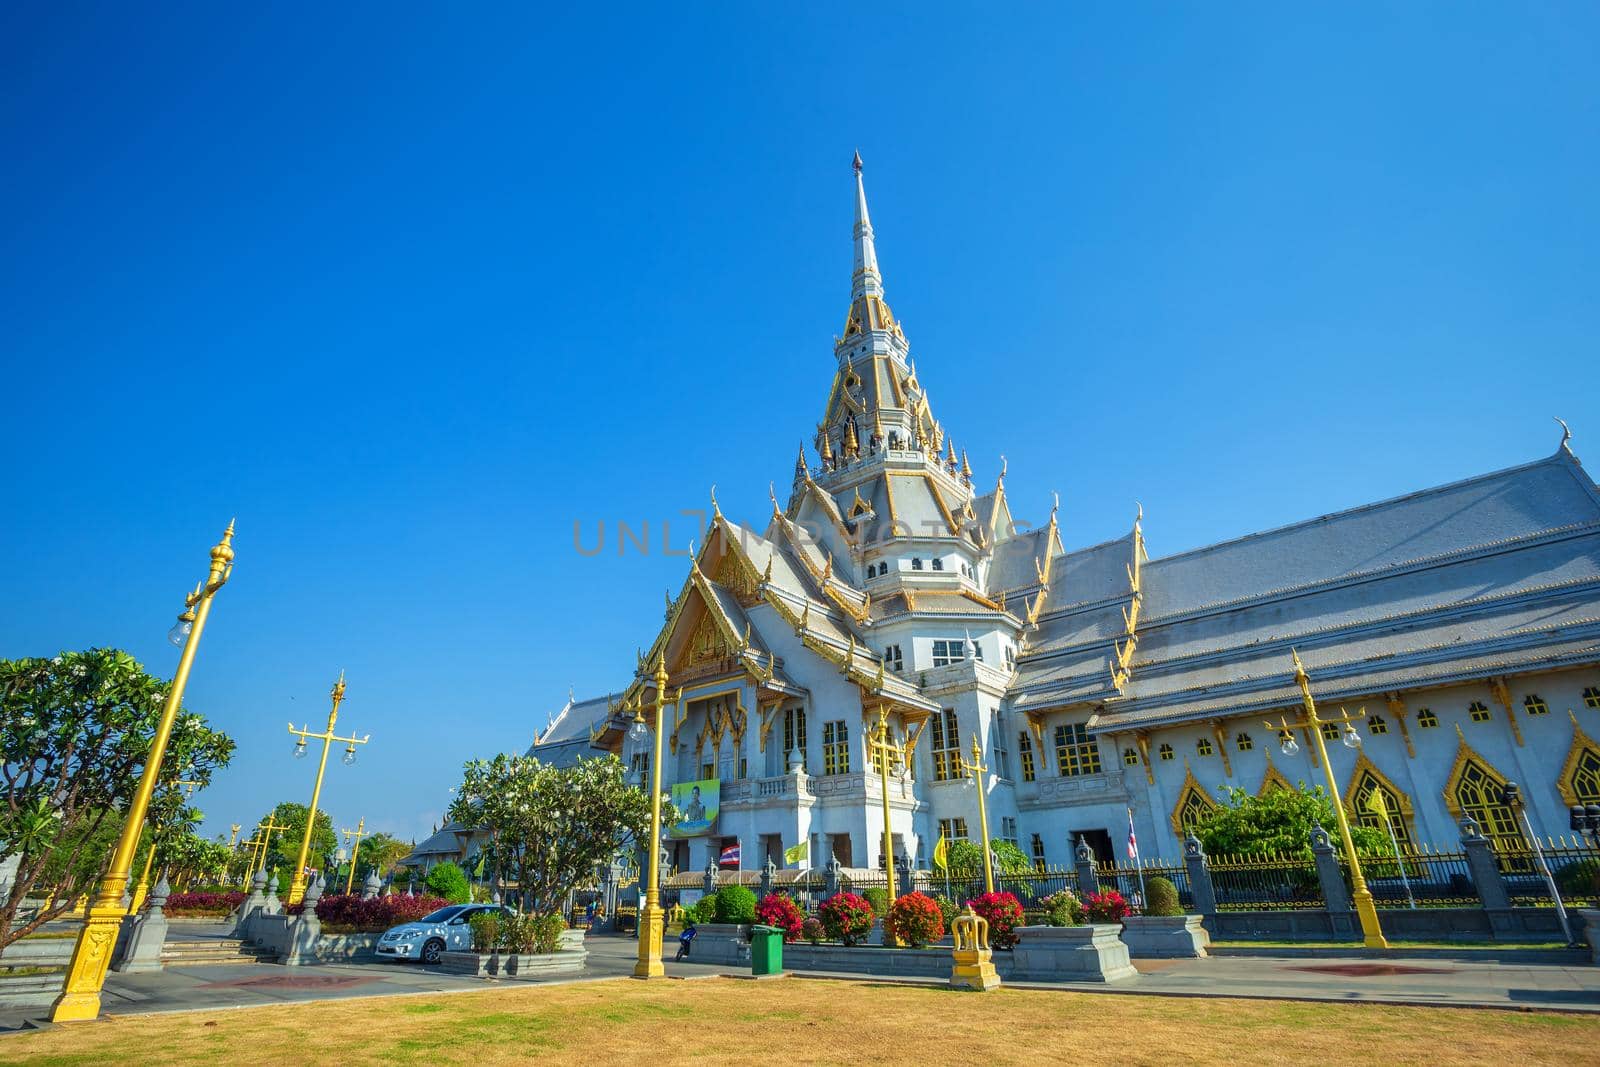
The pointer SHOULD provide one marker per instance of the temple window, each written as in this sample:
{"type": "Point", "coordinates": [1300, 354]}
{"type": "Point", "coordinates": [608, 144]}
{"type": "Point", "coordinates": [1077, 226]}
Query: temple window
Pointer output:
{"type": "Point", "coordinates": [1330, 731]}
{"type": "Point", "coordinates": [1130, 757]}
{"type": "Point", "coordinates": [1376, 725]}
{"type": "Point", "coordinates": [1479, 711]}
{"type": "Point", "coordinates": [1076, 752]}
{"type": "Point", "coordinates": [1025, 753]}
{"type": "Point", "coordinates": [1165, 751]}
{"type": "Point", "coordinates": [1244, 742]}
{"type": "Point", "coordinates": [946, 746]}
{"type": "Point", "coordinates": [836, 747]}
{"type": "Point", "coordinates": [794, 734]}
{"type": "Point", "coordinates": [1203, 747]}
{"type": "Point", "coordinates": [1591, 697]}
{"type": "Point", "coordinates": [948, 652]}
{"type": "Point", "coordinates": [938, 564]}
{"type": "Point", "coordinates": [1535, 705]}
{"type": "Point", "coordinates": [1426, 719]}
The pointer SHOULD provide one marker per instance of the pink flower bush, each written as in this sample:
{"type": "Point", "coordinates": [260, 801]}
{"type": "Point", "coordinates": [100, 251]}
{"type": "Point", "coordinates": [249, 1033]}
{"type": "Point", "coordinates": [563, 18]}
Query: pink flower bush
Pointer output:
{"type": "Point", "coordinates": [351, 913]}
{"type": "Point", "coordinates": [846, 917]}
{"type": "Point", "coordinates": [1004, 914]}
{"type": "Point", "coordinates": [781, 911]}
{"type": "Point", "coordinates": [1106, 907]}
{"type": "Point", "coordinates": [180, 904]}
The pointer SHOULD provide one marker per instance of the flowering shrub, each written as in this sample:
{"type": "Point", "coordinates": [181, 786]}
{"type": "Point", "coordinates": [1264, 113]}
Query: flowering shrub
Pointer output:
{"type": "Point", "coordinates": [203, 903]}
{"type": "Point", "coordinates": [781, 911]}
{"type": "Point", "coordinates": [1105, 907]}
{"type": "Point", "coordinates": [1004, 914]}
{"type": "Point", "coordinates": [352, 914]}
{"type": "Point", "coordinates": [812, 930]}
{"type": "Point", "coordinates": [1062, 908]}
{"type": "Point", "coordinates": [846, 917]}
{"type": "Point", "coordinates": [916, 920]}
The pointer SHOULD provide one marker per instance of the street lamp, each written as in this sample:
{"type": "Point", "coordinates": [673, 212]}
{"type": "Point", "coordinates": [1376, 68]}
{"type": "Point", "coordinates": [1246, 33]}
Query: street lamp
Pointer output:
{"type": "Point", "coordinates": [1511, 797]}
{"type": "Point", "coordinates": [354, 836]}
{"type": "Point", "coordinates": [885, 751]}
{"type": "Point", "coordinates": [977, 769]}
{"type": "Point", "coordinates": [1372, 932]}
{"type": "Point", "coordinates": [91, 956]}
{"type": "Point", "coordinates": [297, 887]}
{"type": "Point", "coordinates": [651, 926]}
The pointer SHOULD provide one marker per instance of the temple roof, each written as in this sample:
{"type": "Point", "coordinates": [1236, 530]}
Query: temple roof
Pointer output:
{"type": "Point", "coordinates": [1496, 573]}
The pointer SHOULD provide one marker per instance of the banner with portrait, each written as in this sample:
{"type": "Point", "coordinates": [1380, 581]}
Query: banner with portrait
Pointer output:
{"type": "Point", "coordinates": [697, 804]}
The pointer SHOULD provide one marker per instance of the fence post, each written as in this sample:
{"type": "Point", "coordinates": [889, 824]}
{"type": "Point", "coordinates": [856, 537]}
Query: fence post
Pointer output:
{"type": "Point", "coordinates": [830, 878]}
{"type": "Point", "coordinates": [769, 870]}
{"type": "Point", "coordinates": [711, 876]}
{"type": "Point", "coordinates": [1486, 878]}
{"type": "Point", "coordinates": [1088, 879]}
{"type": "Point", "coordinates": [1335, 897]}
{"type": "Point", "coordinates": [1201, 890]}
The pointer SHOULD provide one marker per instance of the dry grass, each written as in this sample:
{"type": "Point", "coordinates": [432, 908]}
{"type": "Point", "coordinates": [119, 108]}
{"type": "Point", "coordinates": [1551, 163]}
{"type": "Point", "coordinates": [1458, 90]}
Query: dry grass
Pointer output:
{"type": "Point", "coordinates": [808, 1021]}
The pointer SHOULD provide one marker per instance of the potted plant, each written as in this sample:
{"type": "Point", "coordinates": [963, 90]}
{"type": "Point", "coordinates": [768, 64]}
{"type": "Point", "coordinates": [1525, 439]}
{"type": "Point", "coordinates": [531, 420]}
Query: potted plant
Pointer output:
{"type": "Point", "coordinates": [1164, 931]}
{"type": "Point", "coordinates": [1075, 941]}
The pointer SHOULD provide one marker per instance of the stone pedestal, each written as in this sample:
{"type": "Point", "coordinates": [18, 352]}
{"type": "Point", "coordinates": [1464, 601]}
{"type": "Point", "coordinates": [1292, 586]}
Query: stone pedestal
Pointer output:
{"type": "Point", "coordinates": [719, 943]}
{"type": "Point", "coordinates": [1071, 954]}
{"type": "Point", "coordinates": [1591, 931]}
{"type": "Point", "coordinates": [146, 935]}
{"type": "Point", "coordinates": [971, 961]}
{"type": "Point", "coordinates": [1165, 937]}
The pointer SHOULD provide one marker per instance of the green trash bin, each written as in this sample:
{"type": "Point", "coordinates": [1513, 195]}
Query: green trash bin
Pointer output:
{"type": "Point", "coordinates": [766, 950]}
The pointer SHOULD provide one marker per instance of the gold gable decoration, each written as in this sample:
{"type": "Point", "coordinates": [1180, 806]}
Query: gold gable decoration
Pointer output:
{"type": "Point", "coordinates": [1193, 803]}
{"type": "Point", "coordinates": [1579, 781]}
{"type": "Point", "coordinates": [1273, 779]}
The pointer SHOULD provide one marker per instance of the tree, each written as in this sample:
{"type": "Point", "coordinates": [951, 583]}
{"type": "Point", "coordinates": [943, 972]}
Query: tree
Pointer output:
{"type": "Point", "coordinates": [380, 852]}
{"type": "Point", "coordinates": [74, 734]}
{"type": "Point", "coordinates": [549, 826]}
{"type": "Point", "coordinates": [285, 850]}
{"type": "Point", "coordinates": [1278, 821]}
{"type": "Point", "coordinates": [449, 881]}
{"type": "Point", "coordinates": [966, 859]}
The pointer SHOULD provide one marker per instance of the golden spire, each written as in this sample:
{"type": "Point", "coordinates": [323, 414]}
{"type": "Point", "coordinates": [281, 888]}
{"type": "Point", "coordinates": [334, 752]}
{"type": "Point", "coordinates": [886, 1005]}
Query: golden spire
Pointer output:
{"type": "Point", "coordinates": [966, 468]}
{"type": "Point", "coordinates": [852, 447]}
{"type": "Point", "coordinates": [826, 449]}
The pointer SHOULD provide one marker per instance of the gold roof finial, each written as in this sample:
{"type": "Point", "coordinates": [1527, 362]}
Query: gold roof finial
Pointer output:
{"type": "Point", "coordinates": [716, 512]}
{"type": "Point", "coordinates": [966, 468]}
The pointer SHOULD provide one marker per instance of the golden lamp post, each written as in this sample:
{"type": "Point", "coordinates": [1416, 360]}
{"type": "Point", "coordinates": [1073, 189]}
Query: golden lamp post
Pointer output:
{"type": "Point", "coordinates": [297, 887]}
{"type": "Point", "coordinates": [91, 956]}
{"type": "Point", "coordinates": [977, 769]}
{"type": "Point", "coordinates": [651, 921]}
{"type": "Point", "coordinates": [884, 751]}
{"type": "Point", "coordinates": [263, 843]}
{"type": "Point", "coordinates": [355, 850]}
{"type": "Point", "coordinates": [1371, 931]}
{"type": "Point", "coordinates": [143, 888]}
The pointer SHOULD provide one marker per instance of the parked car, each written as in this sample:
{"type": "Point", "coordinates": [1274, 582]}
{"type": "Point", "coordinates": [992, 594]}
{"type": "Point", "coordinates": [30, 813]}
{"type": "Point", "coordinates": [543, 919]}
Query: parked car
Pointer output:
{"type": "Point", "coordinates": [433, 934]}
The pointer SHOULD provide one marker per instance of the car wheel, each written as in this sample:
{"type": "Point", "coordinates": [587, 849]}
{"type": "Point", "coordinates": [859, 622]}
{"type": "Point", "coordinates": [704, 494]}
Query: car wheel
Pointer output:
{"type": "Point", "coordinates": [432, 950]}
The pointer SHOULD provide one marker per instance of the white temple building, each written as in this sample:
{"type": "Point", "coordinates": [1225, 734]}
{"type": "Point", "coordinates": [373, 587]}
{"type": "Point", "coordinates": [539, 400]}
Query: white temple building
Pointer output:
{"type": "Point", "coordinates": [1464, 618]}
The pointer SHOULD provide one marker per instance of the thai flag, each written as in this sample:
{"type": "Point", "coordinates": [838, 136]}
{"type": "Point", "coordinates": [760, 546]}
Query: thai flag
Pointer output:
{"type": "Point", "coordinates": [1133, 841]}
{"type": "Point", "coordinates": [730, 856]}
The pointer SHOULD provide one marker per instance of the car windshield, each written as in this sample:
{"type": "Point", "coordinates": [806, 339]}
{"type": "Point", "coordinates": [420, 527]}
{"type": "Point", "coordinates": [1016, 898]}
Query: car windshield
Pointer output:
{"type": "Point", "coordinates": [443, 914]}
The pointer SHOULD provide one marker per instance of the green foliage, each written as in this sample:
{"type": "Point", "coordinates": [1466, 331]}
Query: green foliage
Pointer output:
{"type": "Point", "coordinates": [285, 850]}
{"type": "Point", "coordinates": [1278, 822]}
{"type": "Point", "coordinates": [485, 931]}
{"type": "Point", "coordinates": [703, 910]}
{"type": "Point", "coordinates": [1062, 908]}
{"type": "Point", "coordinates": [1161, 897]}
{"type": "Point", "coordinates": [966, 859]}
{"type": "Point", "coordinates": [1579, 879]}
{"type": "Point", "coordinates": [550, 827]}
{"type": "Point", "coordinates": [74, 733]}
{"type": "Point", "coordinates": [379, 851]}
{"type": "Point", "coordinates": [449, 881]}
{"type": "Point", "coordinates": [529, 934]}
{"type": "Point", "coordinates": [948, 910]}
{"type": "Point", "coordinates": [878, 898]}
{"type": "Point", "coordinates": [735, 904]}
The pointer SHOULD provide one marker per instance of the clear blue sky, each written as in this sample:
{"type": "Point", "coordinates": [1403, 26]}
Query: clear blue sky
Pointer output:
{"type": "Point", "coordinates": [411, 290]}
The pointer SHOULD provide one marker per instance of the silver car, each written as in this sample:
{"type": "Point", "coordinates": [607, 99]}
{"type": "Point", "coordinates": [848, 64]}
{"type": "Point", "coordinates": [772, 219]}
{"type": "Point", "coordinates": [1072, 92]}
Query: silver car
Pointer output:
{"type": "Point", "coordinates": [447, 929]}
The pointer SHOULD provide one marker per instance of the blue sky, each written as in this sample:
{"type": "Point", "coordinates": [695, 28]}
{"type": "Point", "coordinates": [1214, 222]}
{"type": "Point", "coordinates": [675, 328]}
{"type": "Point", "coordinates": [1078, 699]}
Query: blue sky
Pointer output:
{"type": "Point", "coordinates": [412, 290]}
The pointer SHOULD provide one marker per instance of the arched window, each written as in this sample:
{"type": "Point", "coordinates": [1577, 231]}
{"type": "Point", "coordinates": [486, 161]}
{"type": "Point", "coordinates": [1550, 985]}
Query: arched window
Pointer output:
{"type": "Point", "coordinates": [1244, 742]}
{"type": "Point", "coordinates": [1130, 757]}
{"type": "Point", "coordinates": [1203, 746]}
{"type": "Point", "coordinates": [1192, 809]}
{"type": "Point", "coordinates": [1535, 704]}
{"type": "Point", "coordinates": [1426, 719]}
{"type": "Point", "coordinates": [1591, 696]}
{"type": "Point", "coordinates": [1366, 784]}
{"type": "Point", "coordinates": [1166, 751]}
{"type": "Point", "coordinates": [1584, 779]}
{"type": "Point", "coordinates": [1476, 791]}
{"type": "Point", "coordinates": [1376, 725]}
{"type": "Point", "coordinates": [1479, 711]}
{"type": "Point", "coordinates": [938, 564]}
{"type": "Point", "coordinates": [916, 564]}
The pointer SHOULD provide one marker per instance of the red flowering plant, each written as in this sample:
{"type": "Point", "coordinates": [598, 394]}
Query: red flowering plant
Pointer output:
{"type": "Point", "coordinates": [210, 904]}
{"type": "Point", "coordinates": [1105, 907]}
{"type": "Point", "coordinates": [915, 920]}
{"type": "Point", "coordinates": [846, 917]}
{"type": "Point", "coordinates": [349, 913]}
{"type": "Point", "coordinates": [779, 910]}
{"type": "Point", "coordinates": [1004, 914]}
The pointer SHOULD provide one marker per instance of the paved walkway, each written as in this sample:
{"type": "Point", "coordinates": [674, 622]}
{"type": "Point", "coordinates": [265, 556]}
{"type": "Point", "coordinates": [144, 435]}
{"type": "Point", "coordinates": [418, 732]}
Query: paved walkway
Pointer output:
{"type": "Point", "coordinates": [1353, 979]}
